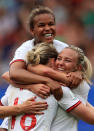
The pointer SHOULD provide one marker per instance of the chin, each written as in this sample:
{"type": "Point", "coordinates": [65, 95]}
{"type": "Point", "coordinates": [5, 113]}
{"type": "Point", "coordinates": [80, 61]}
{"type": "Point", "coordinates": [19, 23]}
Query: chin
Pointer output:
{"type": "Point", "coordinates": [50, 41]}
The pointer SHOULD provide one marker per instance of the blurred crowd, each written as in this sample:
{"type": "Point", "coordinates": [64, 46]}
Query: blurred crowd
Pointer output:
{"type": "Point", "coordinates": [74, 24]}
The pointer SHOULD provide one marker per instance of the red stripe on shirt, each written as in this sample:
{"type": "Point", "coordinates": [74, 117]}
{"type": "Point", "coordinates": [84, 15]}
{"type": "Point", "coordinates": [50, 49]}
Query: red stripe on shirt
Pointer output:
{"type": "Point", "coordinates": [16, 61]}
{"type": "Point", "coordinates": [1, 103]}
{"type": "Point", "coordinates": [72, 107]}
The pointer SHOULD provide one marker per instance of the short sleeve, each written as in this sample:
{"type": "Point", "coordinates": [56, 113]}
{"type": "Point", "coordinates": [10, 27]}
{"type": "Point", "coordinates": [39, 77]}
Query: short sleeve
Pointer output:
{"type": "Point", "coordinates": [20, 53]}
{"type": "Point", "coordinates": [68, 102]}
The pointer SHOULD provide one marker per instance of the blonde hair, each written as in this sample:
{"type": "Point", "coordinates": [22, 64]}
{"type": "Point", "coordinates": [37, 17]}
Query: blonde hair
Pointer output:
{"type": "Point", "coordinates": [41, 54]}
{"type": "Point", "coordinates": [37, 11]}
{"type": "Point", "coordinates": [84, 62]}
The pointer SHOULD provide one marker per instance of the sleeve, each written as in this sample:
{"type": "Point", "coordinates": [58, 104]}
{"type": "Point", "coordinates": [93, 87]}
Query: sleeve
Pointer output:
{"type": "Point", "coordinates": [84, 90]}
{"type": "Point", "coordinates": [4, 123]}
{"type": "Point", "coordinates": [68, 102]}
{"type": "Point", "coordinates": [20, 53]}
{"type": "Point", "coordinates": [81, 92]}
{"type": "Point", "coordinates": [59, 45]}
{"type": "Point", "coordinates": [4, 99]}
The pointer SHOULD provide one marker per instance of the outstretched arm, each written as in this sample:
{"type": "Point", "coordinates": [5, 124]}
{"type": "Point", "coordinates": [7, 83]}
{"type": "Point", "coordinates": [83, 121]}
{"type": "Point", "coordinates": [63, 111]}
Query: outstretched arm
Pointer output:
{"type": "Point", "coordinates": [19, 73]}
{"type": "Point", "coordinates": [29, 106]}
{"type": "Point", "coordinates": [71, 80]}
{"type": "Point", "coordinates": [41, 90]}
{"type": "Point", "coordinates": [49, 72]}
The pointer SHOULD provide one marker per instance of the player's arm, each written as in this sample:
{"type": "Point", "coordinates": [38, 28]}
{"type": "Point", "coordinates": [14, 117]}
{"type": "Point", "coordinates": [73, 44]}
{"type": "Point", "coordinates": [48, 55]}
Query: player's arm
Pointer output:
{"type": "Point", "coordinates": [3, 129]}
{"type": "Point", "coordinates": [19, 74]}
{"type": "Point", "coordinates": [84, 113]}
{"type": "Point", "coordinates": [73, 105]}
{"type": "Point", "coordinates": [57, 75]}
{"type": "Point", "coordinates": [49, 72]}
{"type": "Point", "coordinates": [29, 106]}
{"type": "Point", "coordinates": [89, 105]}
{"type": "Point", "coordinates": [42, 90]}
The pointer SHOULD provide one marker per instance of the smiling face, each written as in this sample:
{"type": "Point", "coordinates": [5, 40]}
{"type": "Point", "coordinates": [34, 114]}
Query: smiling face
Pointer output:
{"type": "Point", "coordinates": [44, 28]}
{"type": "Point", "coordinates": [67, 60]}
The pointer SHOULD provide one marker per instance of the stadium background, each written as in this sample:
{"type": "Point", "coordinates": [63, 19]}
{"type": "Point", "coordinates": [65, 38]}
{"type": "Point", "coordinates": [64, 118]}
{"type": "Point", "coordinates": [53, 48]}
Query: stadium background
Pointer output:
{"type": "Point", "coordinates": [74, 24]}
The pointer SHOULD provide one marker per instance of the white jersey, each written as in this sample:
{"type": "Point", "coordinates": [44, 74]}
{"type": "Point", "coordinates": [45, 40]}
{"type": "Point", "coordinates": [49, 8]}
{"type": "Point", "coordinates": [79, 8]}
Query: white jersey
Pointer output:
{"type": "Point", "coordinates": [65, 121]}
{"type": "Point", "coordinates": [28, 121]}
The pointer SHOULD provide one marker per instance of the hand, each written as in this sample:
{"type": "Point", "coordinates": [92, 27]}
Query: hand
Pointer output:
{"type": "Point", "coordinates": [75, 78]}
{"type": "Point", "coordinates": [55, 89]}
{"type": "Point", "coordinates": [41, 90]}
{"type": "Point", "coordinates": [32, 107]}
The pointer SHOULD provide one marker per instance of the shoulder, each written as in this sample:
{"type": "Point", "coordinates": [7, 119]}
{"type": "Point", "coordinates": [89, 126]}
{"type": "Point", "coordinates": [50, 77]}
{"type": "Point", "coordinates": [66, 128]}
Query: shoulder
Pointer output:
{"type": "Point", "coordinates": [68, 101]}
{"type": "Point", "coordinates": [84, 84]}
{"type": "Point", "coordinates": [59, 42]}
{"type": "Point", "coordinates": [59, 45]}
{"type": "Point", "coordinates": [84, 88]}
{"type": "Point", "coordinates": [26, 44]}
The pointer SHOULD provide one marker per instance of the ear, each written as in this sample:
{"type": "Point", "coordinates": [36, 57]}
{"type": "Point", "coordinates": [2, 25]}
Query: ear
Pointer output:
{"type": "Point", "coordinates": [52, 62]}
{"type": "Point", "coordinates": [80, 67]}
{"type": "Point", "coordinates": [32, 33]}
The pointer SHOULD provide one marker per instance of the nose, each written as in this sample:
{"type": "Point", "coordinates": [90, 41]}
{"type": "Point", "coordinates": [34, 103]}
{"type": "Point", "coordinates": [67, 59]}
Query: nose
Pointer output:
{"type": "Point", "coordinates": [47, 27]}
{"type": "Point", "coordinates": [61, 63]}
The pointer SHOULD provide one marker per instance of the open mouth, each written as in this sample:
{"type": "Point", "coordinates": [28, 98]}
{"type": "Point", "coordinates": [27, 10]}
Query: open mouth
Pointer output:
{"type": "Point", "coordinates": [48, 35]}
{"type": "Point", "coordinates": [60, 69]}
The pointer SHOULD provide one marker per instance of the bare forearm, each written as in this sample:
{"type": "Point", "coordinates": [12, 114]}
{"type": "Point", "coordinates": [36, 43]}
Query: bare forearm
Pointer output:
{"type": "Point", "coordinates": [24, 86]}
{"type": "Point", "coordinates": [9, 111]}
{"type": "Point", "coordinates": [59, 76]}
{"type": "Point", "coordinates": [89, 105]}
{"type": "Point", "coordinates": [84, 113]}
{"type": "Point", "coordinates": [25, 77]}
{"type": "Point", "coordinates": [19, 73]}
{"type": "Point", "coordinates": [49, 72]}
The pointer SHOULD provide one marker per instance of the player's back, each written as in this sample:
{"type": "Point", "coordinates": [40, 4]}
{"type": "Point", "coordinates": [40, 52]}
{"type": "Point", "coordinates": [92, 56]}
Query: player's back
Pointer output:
{"type": "Point", "coordinates": [28, 121]}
